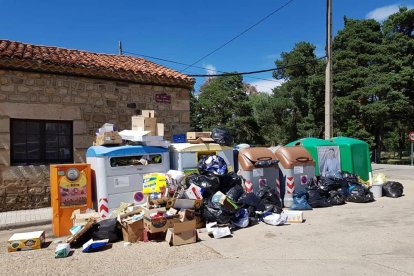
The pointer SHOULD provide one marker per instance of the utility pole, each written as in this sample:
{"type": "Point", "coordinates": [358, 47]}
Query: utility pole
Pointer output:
{"type": "Point", "coordinates": [120, 48]}
{"type": "Point", "coordinates": [328, 73]}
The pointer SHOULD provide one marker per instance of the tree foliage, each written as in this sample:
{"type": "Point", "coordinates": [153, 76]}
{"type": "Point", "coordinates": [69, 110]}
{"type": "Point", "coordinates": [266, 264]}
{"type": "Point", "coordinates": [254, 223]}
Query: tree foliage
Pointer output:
{"type": "Point", "coordinates": [373, 86]}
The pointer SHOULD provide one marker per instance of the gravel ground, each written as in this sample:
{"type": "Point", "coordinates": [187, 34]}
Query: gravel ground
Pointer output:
{"type": "Point", "coordinates": [141, 258]}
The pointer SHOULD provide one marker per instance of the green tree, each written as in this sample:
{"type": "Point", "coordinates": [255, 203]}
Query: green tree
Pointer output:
{"type": "Point", "coordinates": [223, 102]}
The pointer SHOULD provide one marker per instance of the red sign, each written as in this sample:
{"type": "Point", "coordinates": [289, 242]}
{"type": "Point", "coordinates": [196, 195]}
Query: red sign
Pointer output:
{"type": "Point", "coordinates": [411, 136]}
{"type": "Point", "coordinates": [163, 98]}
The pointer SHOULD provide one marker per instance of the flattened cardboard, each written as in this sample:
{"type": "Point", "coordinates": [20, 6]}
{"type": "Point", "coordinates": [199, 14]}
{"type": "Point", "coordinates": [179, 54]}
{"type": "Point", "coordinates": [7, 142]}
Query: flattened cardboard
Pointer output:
{"type": "Point", "coordinates": [160, 129]}
{"type": "Point", "coordinates": [79, 218]}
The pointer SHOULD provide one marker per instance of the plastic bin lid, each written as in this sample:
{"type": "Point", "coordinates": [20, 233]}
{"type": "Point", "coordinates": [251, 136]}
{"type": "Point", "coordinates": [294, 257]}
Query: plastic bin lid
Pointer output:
{"type": "Point", "coordinates": [293, 156]}
{"type": "Point", "coordinates": [248, 156]}
{"type": "Point", "coordinates": [101, 151]}
{"type": "Point", "coordinates": [187, 147]}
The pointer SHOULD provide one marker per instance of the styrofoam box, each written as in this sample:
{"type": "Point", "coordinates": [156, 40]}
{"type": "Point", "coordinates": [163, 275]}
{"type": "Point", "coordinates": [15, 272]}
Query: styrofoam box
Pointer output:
{"type": "Point", "coordinates": [294, 216]}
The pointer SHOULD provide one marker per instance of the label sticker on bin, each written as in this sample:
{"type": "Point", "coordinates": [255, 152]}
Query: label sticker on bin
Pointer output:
{"type": "Point", "coordinates": [304, 179]}
{"type": "Point", "coordinates": [257, 172]}
{"type": "Point", "coordinates": [298, 169]}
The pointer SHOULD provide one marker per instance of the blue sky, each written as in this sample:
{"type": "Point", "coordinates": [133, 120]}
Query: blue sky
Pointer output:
{"type": "Point", "coordinates": [184, 30]}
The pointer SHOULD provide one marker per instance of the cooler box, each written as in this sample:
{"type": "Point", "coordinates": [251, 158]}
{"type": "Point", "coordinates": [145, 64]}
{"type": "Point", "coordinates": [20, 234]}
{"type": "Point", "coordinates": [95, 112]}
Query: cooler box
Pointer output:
{"type": "Point", "coordinates": [185, 156]}
{"type": "Point", "coordinates": [258, 166]}
{"type": "Point", "coordinates": [296, 166]}
{"type": "Point", "coordinates": [118, 173]}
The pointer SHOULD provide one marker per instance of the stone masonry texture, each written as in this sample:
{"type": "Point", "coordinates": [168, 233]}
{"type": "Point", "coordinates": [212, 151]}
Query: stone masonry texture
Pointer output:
{"type": "Point", "coordinates": [89, 103]}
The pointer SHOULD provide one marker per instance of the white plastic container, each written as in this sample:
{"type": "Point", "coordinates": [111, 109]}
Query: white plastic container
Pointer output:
{"type": "Point", "coordinates": [376, 190]}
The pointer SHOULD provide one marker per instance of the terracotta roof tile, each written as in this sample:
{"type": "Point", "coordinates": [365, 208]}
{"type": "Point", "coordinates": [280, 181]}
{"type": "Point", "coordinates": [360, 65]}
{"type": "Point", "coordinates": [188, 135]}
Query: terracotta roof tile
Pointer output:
{"type": "Point", "coordinates": [17, 55]}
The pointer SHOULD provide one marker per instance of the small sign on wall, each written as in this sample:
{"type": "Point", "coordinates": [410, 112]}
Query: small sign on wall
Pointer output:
{"type": "Point", "coordinates": [163, 98]}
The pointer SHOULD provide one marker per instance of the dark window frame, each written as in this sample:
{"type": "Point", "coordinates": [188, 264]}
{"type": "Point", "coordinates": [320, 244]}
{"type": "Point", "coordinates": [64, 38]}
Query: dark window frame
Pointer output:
{"type": "Point", "coordinates": [42, 160]}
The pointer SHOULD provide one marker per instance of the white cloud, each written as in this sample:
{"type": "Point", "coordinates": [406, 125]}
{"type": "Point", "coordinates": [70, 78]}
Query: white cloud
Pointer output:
{"type": "Point", "coordinates": [210, 69]}
{"type": "Point", "coordinates": [382, 13]}
{"type": "Point", "coordinates": [266, 86]}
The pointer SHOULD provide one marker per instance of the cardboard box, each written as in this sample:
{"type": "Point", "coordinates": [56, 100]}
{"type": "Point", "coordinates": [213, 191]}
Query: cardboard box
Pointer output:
{"type": "Point", "coordinates": [186, 215]}
{"type": "Point", "coordinates": [132, 231]}
{"type": "Point", "coordinates": [195, 135]}
{"type": "Point", "coordinates": [193, 192]}
{"type": "Point", "coordinates": [26, 241]}
{"type": "Point", "coordinates": [148, 113]}
{"type": "Point", "coordinates": [108, 138]}
{"type": "Point", "coordinates": [141, 123]}
{"type": "Point", "coordinates": [180, 203]}
{"type": "Point", "coordinates": [79, 218]}
{"type": "Point", "coordinates": [182, 233]}
{"type": "Point", "coordinates": [160, 129]}
{"type": "Point", "coordinates": [161, 224]}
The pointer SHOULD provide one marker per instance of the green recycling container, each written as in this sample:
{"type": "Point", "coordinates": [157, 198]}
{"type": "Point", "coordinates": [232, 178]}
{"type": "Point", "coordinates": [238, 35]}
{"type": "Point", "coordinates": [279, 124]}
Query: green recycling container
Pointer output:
{"type": "Point", "coordinates": [355, 156]}
{"type": "Point", "coordinates": [313, 146]}
{"type": "Point", "coordinates": [352, 155]}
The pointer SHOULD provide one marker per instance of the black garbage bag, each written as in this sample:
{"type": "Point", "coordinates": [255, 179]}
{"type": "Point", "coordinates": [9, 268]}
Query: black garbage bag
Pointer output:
{"type": "Point", "coordinates": [251, 199]}
{"type": "Point", "coordinates": [217, 212]}
{"type": "Point", "coordinates": [300, 201]}
{"type": "Point", "coordinates": [336, 197]}
{"type": "Point", "coordinates": [392, 189]}
{"type": "Point", "coordinates": [350, 177]}
{"type": "Point", "coordinates": [222, 136]}
{"type": "Point", "coordinates": [316, 196]}
{"type": "Point", "coordinates": [209, 183]}
{"type": "Point", "coordinates": [343, 191]}
{"type": "Point", "coordinates": [270, 200]}
{"type": "Point", "coordinates": [108, 229]}
{"type": "Point", "coordinates": [235, 192]}
{"type": "Point", "coordinates": [359, 194]}
{"type": "Point", "coordinates": [228, 181]}
{"type": "Point", "coordinates": [212, 164]}
{"type": "Point", "coordinates": [329, 183]}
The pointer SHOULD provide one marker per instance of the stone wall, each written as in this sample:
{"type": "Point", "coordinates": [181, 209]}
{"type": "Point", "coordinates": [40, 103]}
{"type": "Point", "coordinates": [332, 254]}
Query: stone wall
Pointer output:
{"type": "Point", "coordinates": [89, 103]}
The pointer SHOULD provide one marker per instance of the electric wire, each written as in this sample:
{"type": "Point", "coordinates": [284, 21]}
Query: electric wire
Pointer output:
{"type": "Point", "coordinates": [239, 35]}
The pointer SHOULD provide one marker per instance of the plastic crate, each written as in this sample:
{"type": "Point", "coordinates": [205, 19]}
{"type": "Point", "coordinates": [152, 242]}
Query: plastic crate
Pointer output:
{"type": "Point", "coordinates": [179, 138]}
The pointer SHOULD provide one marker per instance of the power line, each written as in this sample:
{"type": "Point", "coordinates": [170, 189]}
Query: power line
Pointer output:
{"type": "Point", "coordinates": [239, 35]}
{"type": "Point", "coordinates": [180, 63]}
{"type": "Point", "coordinates": [258, 71]}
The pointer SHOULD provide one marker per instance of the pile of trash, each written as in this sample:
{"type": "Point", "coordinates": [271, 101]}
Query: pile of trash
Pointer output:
{"type": "Point", "coordinates": [326, 191]}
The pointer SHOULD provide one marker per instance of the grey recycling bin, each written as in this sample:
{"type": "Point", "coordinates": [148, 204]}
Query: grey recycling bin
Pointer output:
{"type": "Point", "coordinates": [296, 167]}
{"type": "Point", "coordinates": [258, 165]}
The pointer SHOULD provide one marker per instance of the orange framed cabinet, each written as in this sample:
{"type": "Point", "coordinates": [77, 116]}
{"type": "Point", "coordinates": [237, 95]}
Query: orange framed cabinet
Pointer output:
{"type": "Point", "coordinates": [70, 189]}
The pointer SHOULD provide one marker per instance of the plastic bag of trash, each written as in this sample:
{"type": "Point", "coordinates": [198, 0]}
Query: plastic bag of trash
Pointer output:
{"type": "Point", "coordinates": [270, 200]}
{"type": "Point", "coordinates": [212, 164]}
{"type": "Point", "coordinates": [209, 183]}
{"type": "Point", "coordinates": [241, 218]}
{"type": "Point", "coordinates": [336, 198]}
{"type": "Point", "coordinates": [253, 200]}
{"type": "Point", "coordinates": [228, 181]}
{"type": "Point", "coordinates": [392, 189]}
{"type": "Point", "coordinates": [300, 201]}
{"type": "Point", "coordinates": [108, 229]}
{"type": "Point", "coordinates": [222, 136]}
{"type": "Point", "coordinates": [329, 183]}
{"type": "Point", "coordinates": [235, 192]}
{"type": "Point", "coordinates": [317, 199]}
{"type": "Point", "coordinates": [276, 219]}
{"type": "Point", "coordinates": [217, 212]}
{"type": "Point", "coordinates": [359, 194]}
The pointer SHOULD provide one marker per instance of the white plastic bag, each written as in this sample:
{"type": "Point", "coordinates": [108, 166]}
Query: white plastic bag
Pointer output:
{"type": "Point", "coordinates": [276, 219]}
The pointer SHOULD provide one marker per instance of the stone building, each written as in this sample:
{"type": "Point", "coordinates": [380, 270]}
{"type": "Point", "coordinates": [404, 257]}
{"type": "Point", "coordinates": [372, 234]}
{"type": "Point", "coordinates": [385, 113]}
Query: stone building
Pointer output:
{"type": "Point", "coordinates": [52, 101]}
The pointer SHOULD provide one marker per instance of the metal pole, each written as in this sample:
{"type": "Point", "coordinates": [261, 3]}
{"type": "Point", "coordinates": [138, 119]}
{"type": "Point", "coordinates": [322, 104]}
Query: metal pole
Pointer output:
{"type": "Point", "coordinates": [328, 73]}
{"type": "Point", "coordinates": [412, 152]}
{"type": "Point", "coordinates": [120, 48]}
